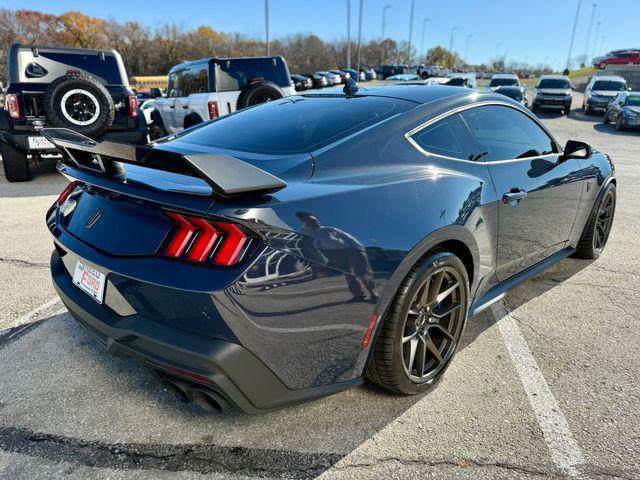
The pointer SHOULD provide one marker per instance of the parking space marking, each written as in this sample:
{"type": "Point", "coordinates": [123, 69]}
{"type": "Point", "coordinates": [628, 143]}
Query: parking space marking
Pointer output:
{"type": "Point", "coordinates": [563, 448]}
{"type": "Point", "coordinates": [33, 315]}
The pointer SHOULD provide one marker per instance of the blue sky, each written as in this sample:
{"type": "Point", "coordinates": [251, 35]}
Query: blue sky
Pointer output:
{"type": "Point", "coordinates": [538, 31]}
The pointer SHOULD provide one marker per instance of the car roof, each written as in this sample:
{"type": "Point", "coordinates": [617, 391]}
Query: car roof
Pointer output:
{"type": "Point", "coordinates": [554, 77]}
{"type": "Point", "coordinates": [200, 61]}
{"type": "Point", "coordinates": [608, 77]}
{"type": "Point", "coordinates": [420, 93]}
{"type": "Point", "coordinates": [504, 75]}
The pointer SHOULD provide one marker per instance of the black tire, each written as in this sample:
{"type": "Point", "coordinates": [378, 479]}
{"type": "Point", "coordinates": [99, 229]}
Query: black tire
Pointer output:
{"type": "Point", "coordinates": [258, 92]}
{"type": "Point", "coordinates": [606, 118]}
{"type": "Point", "coordinates": [567, 111]}
{"type": "Point", "coordinates": [388, 363]}
{"type": "Point", "coordinates": [534, 108]}
{"type": "Point", "coordinates": [15, 163]}
{"type": "Point", "coordinates": [91, 95]}
{"type": "Point", "coordinates": [156, 132]}
{"type": "Point", "coordinates": [619, 124]}
{"type": "Point", "coordinates": [596, 233]}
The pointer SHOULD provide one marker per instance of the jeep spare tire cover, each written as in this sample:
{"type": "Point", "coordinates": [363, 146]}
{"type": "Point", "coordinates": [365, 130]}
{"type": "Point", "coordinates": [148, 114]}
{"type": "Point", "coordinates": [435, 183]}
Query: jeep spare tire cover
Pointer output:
{"type": "Point", "coordinates": [79, 102]}
{"type": "Point", "coordinates": [258, 92]}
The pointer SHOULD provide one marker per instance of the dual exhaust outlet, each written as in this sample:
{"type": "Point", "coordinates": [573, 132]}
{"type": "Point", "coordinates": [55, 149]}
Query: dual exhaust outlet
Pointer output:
{"type": "Point", "coordinates": [208, 400]}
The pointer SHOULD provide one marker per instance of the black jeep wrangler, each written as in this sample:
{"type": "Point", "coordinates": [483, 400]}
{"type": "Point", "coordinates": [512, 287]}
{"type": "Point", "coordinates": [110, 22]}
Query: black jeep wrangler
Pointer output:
{"type": "Point", "coordinates": [84, 90]}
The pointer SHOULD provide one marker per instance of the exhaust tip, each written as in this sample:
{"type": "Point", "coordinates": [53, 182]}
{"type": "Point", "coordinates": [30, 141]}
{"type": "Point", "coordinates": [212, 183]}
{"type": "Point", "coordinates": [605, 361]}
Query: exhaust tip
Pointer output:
{"type": "Point", "coordinates": [208, 401]}
{"type": "Point", "coordinates": [175, 389]}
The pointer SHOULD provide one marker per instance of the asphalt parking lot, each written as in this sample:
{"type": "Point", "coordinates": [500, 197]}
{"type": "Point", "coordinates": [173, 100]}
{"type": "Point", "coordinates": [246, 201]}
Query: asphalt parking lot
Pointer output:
{"type": "Point", "coordinates": [545, 384]}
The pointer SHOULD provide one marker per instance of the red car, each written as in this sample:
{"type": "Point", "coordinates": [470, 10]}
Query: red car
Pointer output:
{"type": "Point", "coordinates": [630, 57]}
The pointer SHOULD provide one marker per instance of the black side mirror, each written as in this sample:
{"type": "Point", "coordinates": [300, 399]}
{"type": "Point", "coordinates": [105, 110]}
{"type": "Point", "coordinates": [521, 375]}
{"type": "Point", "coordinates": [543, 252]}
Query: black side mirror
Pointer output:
{"type": "Point", "coordinates": [155, 92]}
{"type": "Point", "coordinates": [576, 149]}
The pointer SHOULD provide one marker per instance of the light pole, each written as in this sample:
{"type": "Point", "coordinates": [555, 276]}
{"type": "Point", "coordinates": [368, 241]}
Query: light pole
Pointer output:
{"type": "Point", "coordinates": [595, 40]}
{"type": "Point", "coordinates": [359, 34]}
{"type": "Point", "coordinates": [466, 48]}
{"type": "Point", "coordinates": [424, 29]}
{"type": "Point", "coordinates": [266, 23]}
{"type": "Point", "coordinates": [413, 5]}
{"type": "Point", "coordinates": [586, 47]}
{"type": "Point", "coordinates": [348, 34]}
{"type": "Point", "coordinates": [384, 20]}
{"type": "Point", "coordinates": [573, 35]}
{"type": "Point", "coordinates": [453, 30]}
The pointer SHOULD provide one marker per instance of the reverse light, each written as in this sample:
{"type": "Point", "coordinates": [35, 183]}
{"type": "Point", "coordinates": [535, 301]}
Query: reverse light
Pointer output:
{"type": "Point", "coordinates": [200, 240]}
{"type": "Point", "coordinates": [11, 101]}
{"type": "Point", "coordinates": [213, 110]}
{"type": "Point", "coordinates": [134, 106]}
{"type": "Point", "coordinates": [67, 191]}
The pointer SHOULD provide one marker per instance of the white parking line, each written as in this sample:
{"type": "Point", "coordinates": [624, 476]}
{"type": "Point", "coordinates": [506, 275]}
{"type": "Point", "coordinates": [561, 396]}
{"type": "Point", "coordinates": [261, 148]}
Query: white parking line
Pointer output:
{"type": "Point", "coordinates": [34, 314]}
{"type": "Point", "coordinates": [563, 448]}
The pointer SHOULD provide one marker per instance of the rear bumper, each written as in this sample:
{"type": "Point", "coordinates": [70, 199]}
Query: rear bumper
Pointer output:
{"type": "Point", "coordinates": [221, 365]}
{"type": "Point", "coordinates": [19, 138]}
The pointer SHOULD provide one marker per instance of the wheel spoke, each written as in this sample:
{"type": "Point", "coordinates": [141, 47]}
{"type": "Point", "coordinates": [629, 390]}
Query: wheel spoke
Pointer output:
{"type": "Point", "coordinates": [422, 357]}
{"type": "Point", "coordinates": [410, 355]}
{"type": "Point", "coordinates": [413, 311]}
{"type": "Point", "coordinates": [446, 310]}
{"type": "Point", "coordinates": [409, 337]}
{"type": "Point", "coordinates": [433, 349]}
{"type": "Point", "coordinates": [451, 287]}
{"type": "Point", "coordinates": [431, 289]}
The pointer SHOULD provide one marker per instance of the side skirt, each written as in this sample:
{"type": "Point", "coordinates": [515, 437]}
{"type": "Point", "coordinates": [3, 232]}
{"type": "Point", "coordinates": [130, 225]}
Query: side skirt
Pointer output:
{"type": "Point", "coordinates": [500, 290]}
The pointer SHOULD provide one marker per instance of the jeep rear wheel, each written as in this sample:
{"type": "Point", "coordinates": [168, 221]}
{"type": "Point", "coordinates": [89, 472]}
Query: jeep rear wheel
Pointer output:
{"type": "Point", "coordinates": [15, 163]}
{"type": "Point", "coordinates": [259, 92]}
{"type": "Point", "coordinates": [81, 103]}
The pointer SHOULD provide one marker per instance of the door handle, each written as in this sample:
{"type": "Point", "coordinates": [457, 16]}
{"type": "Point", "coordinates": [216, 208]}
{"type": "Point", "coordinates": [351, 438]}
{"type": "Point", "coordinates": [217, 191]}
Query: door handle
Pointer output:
{"type": "Point", "coordinates": [172, 106]}
{"type": "Point", "coordinates": [514, 196]}
{"type": "Point", "coordinates": [185, 106]}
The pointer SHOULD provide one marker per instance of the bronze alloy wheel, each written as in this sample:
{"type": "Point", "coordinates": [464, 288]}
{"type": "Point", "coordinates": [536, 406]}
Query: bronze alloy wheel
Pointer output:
{"type": "Point", "coordinates": [604, 220]}
{"type": "Point", "coordinates": [433, 324]}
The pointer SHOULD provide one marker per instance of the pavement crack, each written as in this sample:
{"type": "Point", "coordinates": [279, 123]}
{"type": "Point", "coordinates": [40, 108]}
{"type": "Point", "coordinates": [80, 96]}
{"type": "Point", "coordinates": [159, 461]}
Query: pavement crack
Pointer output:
{"type": "Point", "coordinates": [200, 458]}
{"type": "Point", "coordinates": [23, 263]}
{"type": "Point", "coordinates": [460, 463]}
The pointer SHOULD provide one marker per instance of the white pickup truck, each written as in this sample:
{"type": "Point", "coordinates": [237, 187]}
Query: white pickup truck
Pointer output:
{"type": "Point", "coordinates": [208, 88]}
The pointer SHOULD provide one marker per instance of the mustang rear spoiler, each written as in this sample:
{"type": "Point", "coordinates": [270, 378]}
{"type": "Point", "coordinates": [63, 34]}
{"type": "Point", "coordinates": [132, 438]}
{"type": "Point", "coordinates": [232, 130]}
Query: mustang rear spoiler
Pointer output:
{"type": "Point", "coordinates": [227, 176]}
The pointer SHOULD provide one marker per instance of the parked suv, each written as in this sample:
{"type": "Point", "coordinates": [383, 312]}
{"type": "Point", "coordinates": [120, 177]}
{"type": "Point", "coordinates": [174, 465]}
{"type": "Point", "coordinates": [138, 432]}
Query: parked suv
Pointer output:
{"type": "Point", "coordinates": [84, 90]}
{"type": "Point", "coordinates": [504, 80]}
{"type": "Point", "coordinates": [553, 91]}
{"type": "Point", "coordinates": [600, 91]}
{"type": "Point", "coordinates": [208, 88]}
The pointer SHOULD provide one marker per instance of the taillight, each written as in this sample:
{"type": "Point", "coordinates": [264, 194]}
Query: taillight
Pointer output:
{"type": "Point", "coordinates": [11, 101]}
{"type": "Point", "coordinates": [213, 110]}
{"type": "Point", "coordinates": [134, 106]}
{"type": "Point", "coordinates": [200, 240]}
{"type": "Point", "coordinates": [67, 191]}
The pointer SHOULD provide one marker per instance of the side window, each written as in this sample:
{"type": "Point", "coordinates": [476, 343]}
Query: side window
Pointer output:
{"type": "Point", "coordinates": [449, 137]}
{"type": "Point", "coordinates": [176, 80]}
{"type": "Point", "coordinates": [199, 79]}
{"type": "Point", "coordinates": [234, 74]}
{"type": "Point", "coordinates": [504, 133]}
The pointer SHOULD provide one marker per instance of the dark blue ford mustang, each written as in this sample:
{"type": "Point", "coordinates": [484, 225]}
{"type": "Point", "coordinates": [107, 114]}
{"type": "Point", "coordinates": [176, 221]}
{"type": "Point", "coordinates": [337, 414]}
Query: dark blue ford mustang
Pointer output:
{"type": "Point", "coordinates": [290, 250]}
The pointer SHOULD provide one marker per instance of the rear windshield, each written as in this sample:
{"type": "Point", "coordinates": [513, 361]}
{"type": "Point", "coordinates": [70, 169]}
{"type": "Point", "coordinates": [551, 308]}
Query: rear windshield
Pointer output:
{"type": "Point", "coordinates": [457, 82]}
{"type": "Point", "coordinates": [234, 74]}
{"type": "Point", "coordinates": [609, 85]}
{"type": "Point", "coordinates": [498, 82]}
{"type": "Point", "coordinates": [633, 100]}
{"type": "Point", "coordinates": [106, 69]}
{"type": "Point", "coordinates": [516, 94]}
{"type": "Point", "coordinates": [554, 83]}
{"type": "Point", "coordinates": [296, 124]}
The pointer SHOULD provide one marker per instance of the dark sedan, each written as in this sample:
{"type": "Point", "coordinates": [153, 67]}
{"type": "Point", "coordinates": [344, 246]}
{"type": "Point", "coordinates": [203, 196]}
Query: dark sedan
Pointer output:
{"type": "Point", "coordinates": [624, 110]}
{"type": "Point", "coordinates": [517, 93]}
{"type": "Point", "coordinates": [294, 249]}
{"type": "Point", "coordinates": [319, 81]}
{"type": "Point", "coordinates": [300, 82]}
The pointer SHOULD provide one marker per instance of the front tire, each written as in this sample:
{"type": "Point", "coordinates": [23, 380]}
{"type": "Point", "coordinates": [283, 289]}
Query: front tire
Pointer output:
{"type": "Point", "coordinates": [619, 124]}
{"type": "Point", "coordinates": [420, 332]}
{"type": "Point", "coordinates": [596, 232]}
{"type": "Point", "coordinates": [156, 132]}
{"type": "Point", "coordinates": [606, 118]}
{"type": "Point", "coordinates": [15, 163]}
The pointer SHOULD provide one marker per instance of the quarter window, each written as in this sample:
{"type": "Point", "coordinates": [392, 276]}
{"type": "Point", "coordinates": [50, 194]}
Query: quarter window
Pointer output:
{"type": "Point", "coordinates": [449, 137]}
{"type": "Point", "coordinates": [504, 133]}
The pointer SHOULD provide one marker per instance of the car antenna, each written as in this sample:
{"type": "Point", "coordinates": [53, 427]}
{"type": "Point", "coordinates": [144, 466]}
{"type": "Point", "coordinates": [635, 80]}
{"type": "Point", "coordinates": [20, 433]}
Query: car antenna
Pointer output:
{"type": "Point", "coordinates": [350, 87]}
